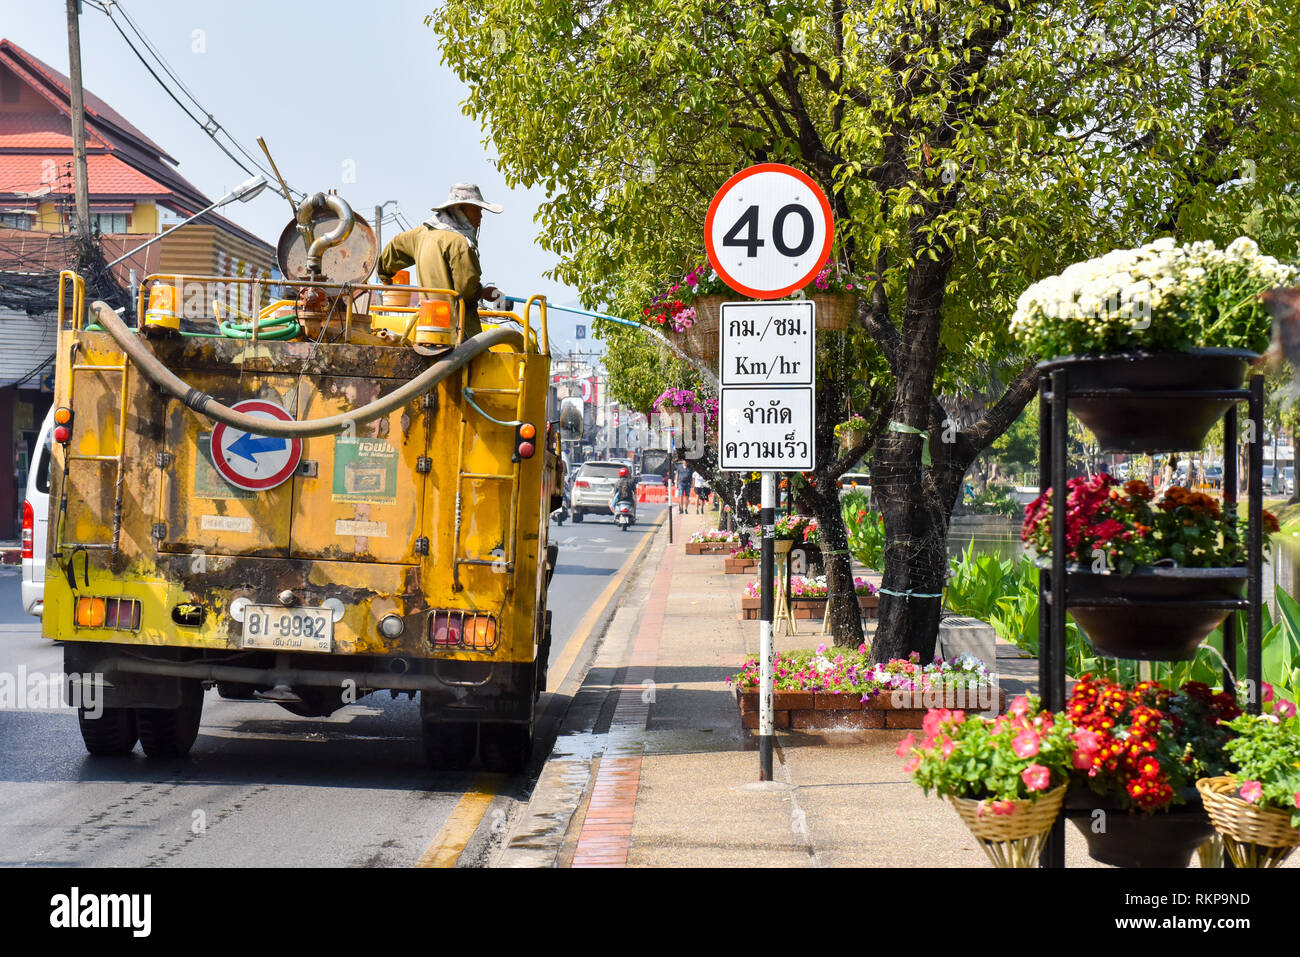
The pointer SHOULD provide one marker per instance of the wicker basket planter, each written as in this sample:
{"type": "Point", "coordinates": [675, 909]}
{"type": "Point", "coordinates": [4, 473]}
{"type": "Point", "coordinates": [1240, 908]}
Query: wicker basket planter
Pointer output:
{"type": "Point", "coordinates": [834, 310]}
{"type": "Point", "coordinates": [700, 341]}
{"type": "Point", "coordinates": [1016, 839]}
{"type": "Point", "coordinates": [1253, 836]}
{"type": "Point", "coordinates": [851, 438]}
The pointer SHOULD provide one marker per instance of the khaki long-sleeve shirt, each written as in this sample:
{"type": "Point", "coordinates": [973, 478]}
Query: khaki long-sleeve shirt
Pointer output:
{"type": "Point", "coordinates": [443, 259]}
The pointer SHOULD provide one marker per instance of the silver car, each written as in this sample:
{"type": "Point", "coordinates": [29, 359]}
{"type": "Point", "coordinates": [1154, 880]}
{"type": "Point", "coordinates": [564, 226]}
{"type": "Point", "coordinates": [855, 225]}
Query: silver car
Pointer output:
{"type": "Point", "coordinates": [593, 489]}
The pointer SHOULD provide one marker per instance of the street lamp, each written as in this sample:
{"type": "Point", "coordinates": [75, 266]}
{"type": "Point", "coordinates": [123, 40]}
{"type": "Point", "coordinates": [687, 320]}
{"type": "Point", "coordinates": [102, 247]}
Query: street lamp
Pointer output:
{"type": "Point", "coordinates": [243, 192]}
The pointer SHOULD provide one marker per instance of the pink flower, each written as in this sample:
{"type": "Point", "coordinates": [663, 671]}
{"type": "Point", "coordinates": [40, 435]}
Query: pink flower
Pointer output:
{"type": "Point", "coordinates": [1036, 777]}
{"type": "Point", "coordinates": [1005, 808]}
{"type": "Point", "coordinates": [948, 746]}
{"type": "Point", "coordinates": [1025, 744]}
{"type": "Point", "coordinates": [1285, 708]}
{"type": "Point", "coordinates": [862, 649]}
{"type": "Point", "coordinates": [1252, 791]}
{"type": "Point", "coordinates": [1268, 692]}
{"type": "Point", "coordinates": [1086, 740]}
{"type": "Point", "coordinates": [1019, 706]}
{"type": "Point", "coordinates": [913, 764]}
{"type": "Point", "coordinates": [1296, 798]}
{"type": "Point", "coordinates": [933, 719]}
{"type": "Point", "coordinates": [905, 746]}
{"type": "Point", "coordinates": [1082, 760]}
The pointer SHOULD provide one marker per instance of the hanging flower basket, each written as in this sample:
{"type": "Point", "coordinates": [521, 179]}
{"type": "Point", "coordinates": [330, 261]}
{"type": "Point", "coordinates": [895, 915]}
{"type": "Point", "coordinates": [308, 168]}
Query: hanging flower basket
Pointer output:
{"type": "Point", "coordinates": [834, 310]}
{"type": "Point", "coordinates": [1129, 421]}
{"type": "Point", "coordinates": [700, 341]}
{"type": "Point", "coordinates": [1158, 619]}
{"type": "Point", "coordinates": [1123, 838]}
{"type": "Point", "coordinates": [1014, 834]}
{"type": "Point", "coordinates": [1253, 836]}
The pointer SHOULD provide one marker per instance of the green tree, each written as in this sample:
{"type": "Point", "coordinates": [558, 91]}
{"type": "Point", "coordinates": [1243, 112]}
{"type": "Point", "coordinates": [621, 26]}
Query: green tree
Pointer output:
{"type": "Point", "coordinates": [968, 148]}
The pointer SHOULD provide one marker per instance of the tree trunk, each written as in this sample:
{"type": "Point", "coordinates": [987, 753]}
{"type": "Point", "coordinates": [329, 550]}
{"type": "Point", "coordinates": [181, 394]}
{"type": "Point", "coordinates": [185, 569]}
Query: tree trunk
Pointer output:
{"type": "Point", "coordinates": [916, 554]}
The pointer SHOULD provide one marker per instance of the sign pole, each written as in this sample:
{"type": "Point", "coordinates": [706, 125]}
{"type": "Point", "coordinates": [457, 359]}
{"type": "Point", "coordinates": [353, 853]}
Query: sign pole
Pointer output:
{"type": "Point", "coordinates": [767, 516]}
{"type": "Point", "coordinates": [672, 481]}
{"type": "Point", "coordinates": [768, 231]}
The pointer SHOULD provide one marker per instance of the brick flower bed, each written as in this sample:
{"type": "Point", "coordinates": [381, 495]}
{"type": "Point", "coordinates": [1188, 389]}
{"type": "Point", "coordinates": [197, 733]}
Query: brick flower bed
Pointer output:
{"type": "Point", "coordinates": [818, 711]}
{"type": "Point", "coordinates": [740, 566]}
{"type": "Point", "coordinates": [710, 548]}
{"type": "Point", "coordinates": [804, 608]}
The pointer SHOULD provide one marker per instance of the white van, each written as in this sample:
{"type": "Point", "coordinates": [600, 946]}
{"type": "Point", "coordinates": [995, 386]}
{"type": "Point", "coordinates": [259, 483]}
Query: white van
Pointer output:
{"type": "Point", "coordinates": [36, 516]}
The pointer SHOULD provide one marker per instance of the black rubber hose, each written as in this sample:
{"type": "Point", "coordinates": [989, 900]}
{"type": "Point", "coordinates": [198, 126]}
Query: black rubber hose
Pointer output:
{"type": "Point", "coordinates": [157, 373]}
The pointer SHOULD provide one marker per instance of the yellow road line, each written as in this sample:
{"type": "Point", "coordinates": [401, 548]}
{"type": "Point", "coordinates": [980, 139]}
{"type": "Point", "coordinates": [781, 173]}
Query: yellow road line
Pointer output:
{"type": "Point", "coordinates": [450, 841]}
{"type": "Point", "coordinates": [564, 664]}
{"type": "Point", "coordinates": [453, 837]}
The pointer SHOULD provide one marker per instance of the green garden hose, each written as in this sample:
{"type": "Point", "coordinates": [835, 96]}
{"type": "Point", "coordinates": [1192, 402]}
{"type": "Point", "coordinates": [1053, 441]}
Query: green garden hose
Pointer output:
{"type": "Point", "coordinates": [272, 327]}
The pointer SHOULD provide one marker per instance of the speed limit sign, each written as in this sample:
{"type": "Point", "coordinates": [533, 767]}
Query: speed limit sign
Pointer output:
{"type": "Point", "coordinates": [769, 230]}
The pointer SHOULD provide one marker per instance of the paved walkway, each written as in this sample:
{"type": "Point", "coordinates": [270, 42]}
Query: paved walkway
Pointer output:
{"type": "Point", "coordinates": [652, 768]}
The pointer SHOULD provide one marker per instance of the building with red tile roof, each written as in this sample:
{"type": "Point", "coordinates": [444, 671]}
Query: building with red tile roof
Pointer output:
{"type": "Point", "coordinates": [132, 182]}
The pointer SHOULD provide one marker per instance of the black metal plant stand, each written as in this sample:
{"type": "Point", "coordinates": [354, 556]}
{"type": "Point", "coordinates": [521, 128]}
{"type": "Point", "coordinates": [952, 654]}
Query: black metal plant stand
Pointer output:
{"type": "Point", "coordinates": [1053, 598]}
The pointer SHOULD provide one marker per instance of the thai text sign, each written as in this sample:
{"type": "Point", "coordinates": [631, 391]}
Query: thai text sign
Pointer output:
{"type": "Point", "coordinates": [765, 428]}
{"type": "Point", "coordinates": [767, 404]}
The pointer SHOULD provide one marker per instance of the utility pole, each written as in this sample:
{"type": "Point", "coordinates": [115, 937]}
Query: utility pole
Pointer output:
{"type": "Point", "coordinates": [81, 182]}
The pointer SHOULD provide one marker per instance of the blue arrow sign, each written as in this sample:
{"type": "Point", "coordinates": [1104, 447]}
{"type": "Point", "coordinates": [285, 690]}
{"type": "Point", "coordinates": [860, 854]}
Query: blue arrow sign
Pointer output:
{"type": "Point", "coordinates": [248, 445]}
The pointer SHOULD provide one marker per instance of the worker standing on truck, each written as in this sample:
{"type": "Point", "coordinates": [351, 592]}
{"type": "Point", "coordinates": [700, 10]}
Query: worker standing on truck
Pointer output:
{"type": "Point", "coordinates": [444, 249]}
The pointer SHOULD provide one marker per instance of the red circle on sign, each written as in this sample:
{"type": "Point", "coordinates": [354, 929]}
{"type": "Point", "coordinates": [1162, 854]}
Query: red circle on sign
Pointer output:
{"type": "Point", "coordinates": [229, 467]}
{"type": "Point", "coordinates": [818, 260]}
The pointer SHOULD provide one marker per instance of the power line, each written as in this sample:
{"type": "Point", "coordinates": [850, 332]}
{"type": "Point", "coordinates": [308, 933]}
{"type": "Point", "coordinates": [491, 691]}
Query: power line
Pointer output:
{"type": "Point", "coordinates": [210, 126]}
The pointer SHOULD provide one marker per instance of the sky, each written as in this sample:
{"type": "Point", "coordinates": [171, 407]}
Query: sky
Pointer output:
{"type": "Point", "coordinates": [349, 96]}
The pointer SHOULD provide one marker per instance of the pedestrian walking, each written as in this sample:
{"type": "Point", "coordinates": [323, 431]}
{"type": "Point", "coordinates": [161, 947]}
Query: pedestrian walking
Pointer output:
{"type": "Point", "coordinates": [701, 492]}
{"type": "Point", "coordinates": [683, 485]}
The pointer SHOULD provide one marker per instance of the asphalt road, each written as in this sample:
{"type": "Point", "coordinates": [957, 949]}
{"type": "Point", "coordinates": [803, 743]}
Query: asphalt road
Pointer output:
{"type": "Point", "coordinates": [261, 787]}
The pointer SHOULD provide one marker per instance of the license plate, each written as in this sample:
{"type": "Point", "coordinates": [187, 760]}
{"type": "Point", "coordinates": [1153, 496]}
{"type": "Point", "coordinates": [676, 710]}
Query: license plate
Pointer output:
{"type": "Point", "coordinates": [288, 629]}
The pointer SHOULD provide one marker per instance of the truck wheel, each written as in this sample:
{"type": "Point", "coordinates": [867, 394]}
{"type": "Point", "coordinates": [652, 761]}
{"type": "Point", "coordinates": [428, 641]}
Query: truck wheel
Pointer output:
{"type": "Point", "coordinates": [505, 747]}
{"type": "Point", "coordinates": [170, 732]}
{"type": "Point", "coordinates": [449, 745]}
{"type": "Point", "coordinates": [112, 733]}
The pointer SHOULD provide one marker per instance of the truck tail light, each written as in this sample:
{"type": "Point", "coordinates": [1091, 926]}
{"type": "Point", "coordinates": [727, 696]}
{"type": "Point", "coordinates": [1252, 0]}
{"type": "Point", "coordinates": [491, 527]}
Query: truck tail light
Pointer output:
{"type": "Point", "coordinates": [62, 424]}
{"type": "Point", "coordinates": [582, 483]}
{"type": "Point", "coordinates": [525, 441]}
{"type": "Point", "coordinates": [464, 630]}
{"type": "Point", "coordinates": [29, 529]}
{"type": "Point", "coordinates": [121, 614]}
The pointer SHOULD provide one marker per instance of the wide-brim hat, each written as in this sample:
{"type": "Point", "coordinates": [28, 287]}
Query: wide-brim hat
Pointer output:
{"type": "Point", "coordinates": [470, 194]}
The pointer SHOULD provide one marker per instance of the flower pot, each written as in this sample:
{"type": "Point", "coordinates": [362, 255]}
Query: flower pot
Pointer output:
{"type": "Point", "coordinates": [782, 545]}
{"type": "Point", "coordinates": [1127, 420]}
{"type": "Point", "coordinates": [834, 310]}
{"type": "Point", "coordinates": [700, 341]}
{"type": "Point", "coordinates": [1253, 836]}
{"type": "Point", "coordinates": [1134, 839]}
{"type": "Point", "coordinates": [1015, 839]}
{"type": "Point", "coordinates": [1156, 617]}
{"type": "Point", "coordinates": [851, 438]}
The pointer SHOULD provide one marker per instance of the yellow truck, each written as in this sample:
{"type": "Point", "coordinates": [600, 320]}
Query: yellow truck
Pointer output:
{"type": "Point", "coordinates": [328, 496]}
